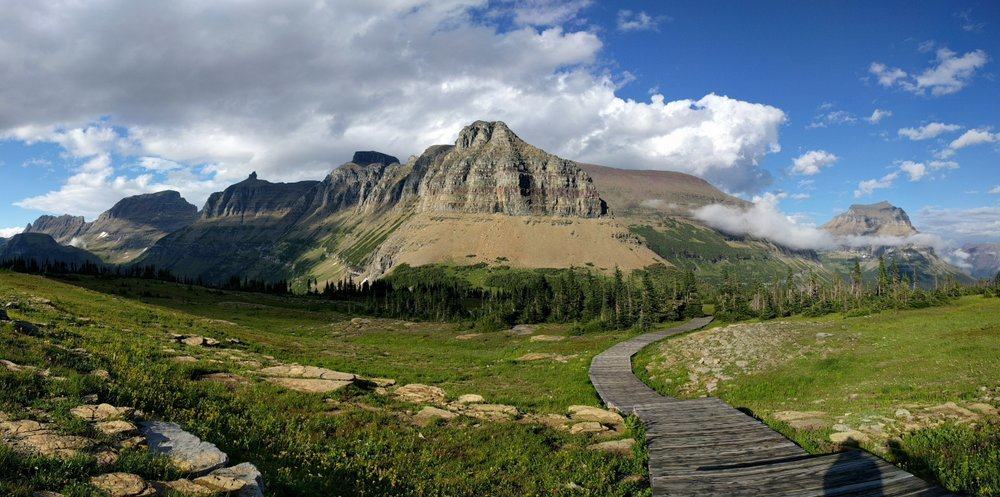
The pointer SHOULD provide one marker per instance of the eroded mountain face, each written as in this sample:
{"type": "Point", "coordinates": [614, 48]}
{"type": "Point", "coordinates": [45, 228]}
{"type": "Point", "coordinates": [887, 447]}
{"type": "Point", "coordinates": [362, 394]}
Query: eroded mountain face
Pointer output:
{"type": "Point", "coordinates": [123, 232]}
{"type": "Point", "coordinates": [491, 170]}
{"type": "Point", "coordinates": [61, 228]}
{"type": "Point", "coordinates": [881, 219]}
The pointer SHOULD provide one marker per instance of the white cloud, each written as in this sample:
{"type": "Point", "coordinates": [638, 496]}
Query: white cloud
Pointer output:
{"type": "Point", "coordinates": [878, 115]}
{"type": "Point", "coordinates": [927, 131]}
{"type": "Point", "coordinates": [9, 232]}
{"type": "Point", "coordinates": [764, 219]}
{"type": "Point", "coordinates": [915, 170]}
{"type": "Point", "coordinates": [395, 76]}
{"type": "Point", "coordinates": [938, 165]}
{"type": "Point", "coordinates": [974, 137]}
{"type": "Point", "coordinates": [867, 187]}
{"type": "Point", "coordinates": [887, 76]}
{"type": "Point", "coordinates": [637, 21]}
{"type": "Point", "coordinates": [547, 12]}
{"type": "Point", "coordinates": [831, 118]}
{"type": "Point", "coordinates": [811, 162]}
{"type": "Point", "coordinates": [995, 190]}
{"type": "Point", "coordinates": [968, 23]}
{"type": "Point", "coordinates": [962, 225]}
{"type": "Point", "coordinates": [948, 73]}
{"type": "Point", "coordinates": [800, 196]}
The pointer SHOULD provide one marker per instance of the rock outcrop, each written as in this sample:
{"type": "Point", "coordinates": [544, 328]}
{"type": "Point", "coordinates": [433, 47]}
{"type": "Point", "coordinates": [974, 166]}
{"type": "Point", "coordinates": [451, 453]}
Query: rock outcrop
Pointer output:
{"type": "Point", "coordinates": [491, 170]}
{"type": "Point", "coordinates": [61, 228]}
{"type": "Point", "coordinates": [881, 219]}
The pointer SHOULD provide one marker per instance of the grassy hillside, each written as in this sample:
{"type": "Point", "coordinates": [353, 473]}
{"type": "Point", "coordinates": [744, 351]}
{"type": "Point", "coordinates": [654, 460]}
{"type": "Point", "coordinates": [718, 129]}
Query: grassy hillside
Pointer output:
{"type": "Point", "coordinates": [919, 387]}
{"type": "Point", "coordinates": [355, 441]}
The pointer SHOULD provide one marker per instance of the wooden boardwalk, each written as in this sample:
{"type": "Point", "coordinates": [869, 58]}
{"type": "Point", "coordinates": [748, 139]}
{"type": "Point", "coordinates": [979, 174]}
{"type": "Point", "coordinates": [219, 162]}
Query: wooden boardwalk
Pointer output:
{"type": "Point", "coordinates": [704, 447]}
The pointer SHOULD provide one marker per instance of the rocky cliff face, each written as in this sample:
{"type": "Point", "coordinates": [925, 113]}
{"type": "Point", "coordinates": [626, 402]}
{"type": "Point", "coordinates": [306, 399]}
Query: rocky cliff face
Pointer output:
{"type": "Point", "coordinates": [491, 170]}
{"type": "Point", "coordinates": [255, 198]}
{"type": "Point", "coordinates": [984, 259]}
{"type": "Point", "coordinates": [164, 211]}
{"type": "Point", "coordinates": [61, 228]}
{"type": "Point", "coordinates": [881, 219]}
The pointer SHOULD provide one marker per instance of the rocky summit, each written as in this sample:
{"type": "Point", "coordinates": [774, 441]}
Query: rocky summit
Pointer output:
{"type": "Point", "coordinates": [881, 219]}
{"type": "Point", "coordinates": [61, 228]}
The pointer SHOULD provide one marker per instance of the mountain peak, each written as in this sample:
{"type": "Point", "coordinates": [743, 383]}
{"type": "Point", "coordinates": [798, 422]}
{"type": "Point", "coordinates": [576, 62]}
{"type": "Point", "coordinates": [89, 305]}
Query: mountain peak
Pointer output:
{"type": "Point", "coordinates": [480, 133]}
{"type": "Point", "coordinates": [368, 157]}
{"type": "Point", "coordinates": [880, 218]}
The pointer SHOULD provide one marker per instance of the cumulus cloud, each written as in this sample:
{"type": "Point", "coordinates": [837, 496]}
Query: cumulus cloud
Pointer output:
{"type": "Point", "coordinates": [927, 131]}
{"type": "Point", "coordinates": [867, 187]}
{"type": "Point", "coordinates": [811, 162]}
{"type": "Point", "coordinates": [391, 76]}
{"type": "Point", "coordinates": [995, 190]}
{"type": "Point", "coordinates": [637, 21]}
{"type": "Point", "coordinates": [948, 73]}
{"type": "Point", "coordinates": [974, 137]}
{"type": "Point", "coordinates": [962, 225]}
{"type": "Point", "coordinates": [828, 116]}
{"type": "Point", "coordinates": [9, 232]}
{"type": "Point", "coordinates": [878, 115]}
{"type": "Point", "coordinates": [765, 220]}
{"type": "Point", "coordinates": [915, 170]}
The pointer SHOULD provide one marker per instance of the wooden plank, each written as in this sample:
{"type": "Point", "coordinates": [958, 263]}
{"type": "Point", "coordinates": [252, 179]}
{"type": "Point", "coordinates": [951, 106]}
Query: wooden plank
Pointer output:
{"type": "Point", "coordinates": [706, 447]}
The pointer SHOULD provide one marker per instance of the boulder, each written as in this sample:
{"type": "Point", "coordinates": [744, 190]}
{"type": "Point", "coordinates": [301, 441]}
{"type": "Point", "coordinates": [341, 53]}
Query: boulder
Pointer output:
{"type": "Point", "coordinates": [623, 446]}
{"type": "Point", "coordinates": [429, 414]}
{"type": "Point", "coordinates": [183, 487]}
{"type": "Point", "coordinates": [189, 453]}
{"type": "Point", "coordinates": [418, 393]}
{"type": "Point", "coordinates": [197, 341]}
{"type": "Point", "coordinates": [31, 437]}
{"type": "Point", "coordinates": [492, 412]}
{"type": "Point", "coordinates": [555, 421]}
{"type": "Point", "coordinates": [471, 398]}
{"type": "Point", "coordinates": [248, 473]}
{"type": "Point", "coordinates": [589, 413]}
{"type": "Point", "coordinates": [587, 427]}
{"type": "Point", "coordinates": [220, 484]}
{"type": "Point", "coordinates": [26, 328]}
{"type": "Point", "coordinates": [122, 485]}
{"type": "Point", "coordinates": [101, 412]}
{"type": "Point", "coordinates": [115, 428]}
{"type": "Point", "coordinates": [522, 330]}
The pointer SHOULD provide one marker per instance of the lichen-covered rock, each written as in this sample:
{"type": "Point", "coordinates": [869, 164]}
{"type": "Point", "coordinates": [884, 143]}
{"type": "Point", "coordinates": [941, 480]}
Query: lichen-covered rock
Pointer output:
{"type": "Point", "coordinates": [248, 473]}
{"type": "Point", "coordinates": [623, 446]}
{"type": "Point", "coordinates": [429, 414]}
{"type": "Point", "coordinates": [115, 428]}
{"type": "Point", "coordinates": [122, 485]}
{"type": "Point", "coordinates": [309, 385]}
{"type": "Point", "coordinates": [471, 398]}
{"type": "Point", "coordinates": [297, 371]}
{"type": "Point", "coordinates": [589, 413]}
{"type": "Point", "coordinates": [101, 412]}
{"type": "Point", "coordinates": [587, 427]}
{"type": "Point", "coordinates": [492, 412]}
{"type": "Point", "coordinates": [188, 452]}
{"type": "Point", "coordinates": [418, 393]}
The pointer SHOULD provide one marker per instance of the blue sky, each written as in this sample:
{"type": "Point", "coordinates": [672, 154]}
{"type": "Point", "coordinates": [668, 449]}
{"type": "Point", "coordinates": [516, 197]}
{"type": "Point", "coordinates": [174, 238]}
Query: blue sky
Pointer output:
{"type": "Point", "coordinates": [129, 112]}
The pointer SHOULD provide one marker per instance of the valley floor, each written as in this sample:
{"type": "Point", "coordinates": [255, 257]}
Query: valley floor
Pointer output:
{"type": "Point", "coordinates": [224, 366]}
{"type": "Point", "coordinates": [919, 387]}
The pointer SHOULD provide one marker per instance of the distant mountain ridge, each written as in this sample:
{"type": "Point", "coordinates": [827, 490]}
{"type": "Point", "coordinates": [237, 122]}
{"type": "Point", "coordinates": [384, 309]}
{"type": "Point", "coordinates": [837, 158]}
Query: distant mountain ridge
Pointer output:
{"type": "Point", "coordinates": [125, 231]}
{"type": "Point", "coordinates": [984, 259]}
{"type": "Point", "coordinates": [488, 198]}
{"type": "Point", "coordinates": [43, 249]}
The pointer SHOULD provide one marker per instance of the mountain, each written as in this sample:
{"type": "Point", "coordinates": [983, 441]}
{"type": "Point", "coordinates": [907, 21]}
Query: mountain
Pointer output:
{"type": "Point", "coordinates": [490, 197]}
{"type": "Point", "coordinates": [984, 258]}
{"type": "Point", "coordinates": [889, 228]}
{"type": "Point", "coordinates": [61, 228]}
{"type": "Point", "coordinates": [125, 231]}
{"type": "Point", "coordinates": [881, 219]}
{"type": "Point", "coordinates": [43, 248]}
{"type": "Point", "coordinates": [631, 191]}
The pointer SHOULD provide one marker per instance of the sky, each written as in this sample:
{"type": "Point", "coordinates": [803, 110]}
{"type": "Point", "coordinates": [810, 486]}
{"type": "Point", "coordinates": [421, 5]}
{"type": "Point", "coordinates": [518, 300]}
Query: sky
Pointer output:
{"type": "Point", "coordinates": [802, 107]}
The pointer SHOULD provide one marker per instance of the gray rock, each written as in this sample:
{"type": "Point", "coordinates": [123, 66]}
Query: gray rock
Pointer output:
{"type": "Point", "coordinates": [248, 473]}
{"type": "Point", "coordinates": [188, 452]}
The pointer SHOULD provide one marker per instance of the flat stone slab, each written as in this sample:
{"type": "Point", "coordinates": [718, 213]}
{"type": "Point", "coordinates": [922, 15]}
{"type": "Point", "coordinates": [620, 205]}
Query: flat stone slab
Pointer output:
{"type": "Point", "coordinates": [122, 485]}
{"type": "Point", "coordinates": [188, 452]}
{"type": "Point", "coordinates": [101, 412]}
{"type": "Point", "coordinates": [309, 385]}
{"type": "Point", "coordinates": [297, 371]}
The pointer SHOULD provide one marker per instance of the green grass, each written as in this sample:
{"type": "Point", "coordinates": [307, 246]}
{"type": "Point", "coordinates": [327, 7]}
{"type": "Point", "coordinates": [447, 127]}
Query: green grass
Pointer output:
{"type": "Point", "coordinates": [868, 367]}
{"type": "Point", "coordinates": [355, 443]}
